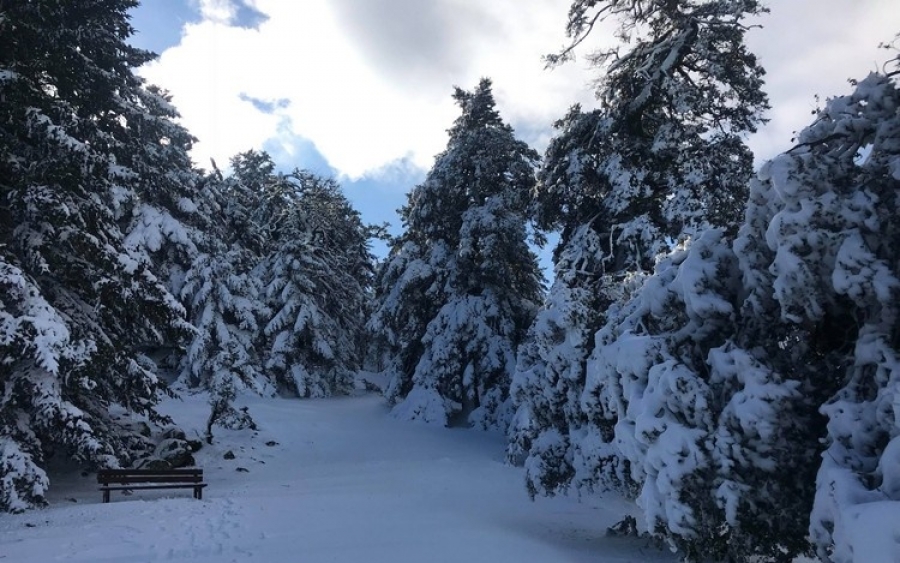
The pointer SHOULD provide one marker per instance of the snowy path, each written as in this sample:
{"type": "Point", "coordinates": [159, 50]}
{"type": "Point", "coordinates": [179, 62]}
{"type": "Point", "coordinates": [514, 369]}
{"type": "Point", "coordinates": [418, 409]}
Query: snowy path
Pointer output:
{"type": "Point", "coordinates": [344, 483]}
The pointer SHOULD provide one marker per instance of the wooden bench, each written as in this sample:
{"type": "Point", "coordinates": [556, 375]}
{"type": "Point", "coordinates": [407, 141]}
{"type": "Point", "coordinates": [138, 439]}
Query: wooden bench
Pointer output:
{"type": "Point", "coordinates": [136, 479]}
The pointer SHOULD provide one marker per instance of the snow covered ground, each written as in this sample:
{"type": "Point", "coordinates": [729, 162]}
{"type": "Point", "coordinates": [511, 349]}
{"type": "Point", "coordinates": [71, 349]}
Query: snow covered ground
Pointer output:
{"type": "Point", "coordinates": [343, 483]}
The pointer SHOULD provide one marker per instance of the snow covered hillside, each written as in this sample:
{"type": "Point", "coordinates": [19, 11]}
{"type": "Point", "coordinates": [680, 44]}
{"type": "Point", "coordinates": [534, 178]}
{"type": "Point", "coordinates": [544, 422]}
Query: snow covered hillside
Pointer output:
{"type": "Point", "coordinates": [340, 482]}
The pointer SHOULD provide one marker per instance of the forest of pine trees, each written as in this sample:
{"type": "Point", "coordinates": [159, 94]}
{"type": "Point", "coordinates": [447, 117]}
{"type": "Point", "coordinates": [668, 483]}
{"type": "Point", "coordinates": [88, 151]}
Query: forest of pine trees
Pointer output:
{"type": "Point", "coordinates": [719, 344]}
{"type": "Point", "coordinates": [125, 269]}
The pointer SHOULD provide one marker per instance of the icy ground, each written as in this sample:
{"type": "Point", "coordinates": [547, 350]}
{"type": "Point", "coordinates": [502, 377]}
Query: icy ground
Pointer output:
{"type": "Point", "coordinates": [343, 483]}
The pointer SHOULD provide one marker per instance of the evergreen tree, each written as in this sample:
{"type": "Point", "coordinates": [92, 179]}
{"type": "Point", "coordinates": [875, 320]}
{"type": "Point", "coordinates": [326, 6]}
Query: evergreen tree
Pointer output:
{"type": "Point", "coordinates": [80, 306]}
{"type": "Point", "coordinates": [316, 279]}
{"type": "Point", "coordinates": [221, 290]}
{"type": "Point", "coordinates": [663, 156]}
{"type": "Point", "coordinates": [460, 287]}
{"type": "Point", "coordinates": [550, 423]}
{"type": "Point", "coordinates": [223, 299]}
{"type": "Point", "coordinates": [702, 421]}
{"type": "Point", "coordinates": [658, 162]}
{"type": "Point", "coordinates": [167, 220]}
{"type": "Point", "coordinates": [278, 292]}
{"type": "Point", "coordinates": [819, 252]}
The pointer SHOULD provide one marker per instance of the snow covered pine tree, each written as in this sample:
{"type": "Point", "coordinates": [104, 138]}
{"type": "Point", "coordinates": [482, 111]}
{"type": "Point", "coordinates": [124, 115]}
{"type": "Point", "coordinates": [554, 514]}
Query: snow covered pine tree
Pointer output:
{"type": "Point", "coordinates": [278, 295]}
{"type": "Point", "coordinates": [461, 286]}
{"type": "Point", "coordinates": [821, 253]}
{"type": "Point", "coordinates": [78, 305]}
{"type": "Point", "coordinates": [662, 161]}
{"type": "Point", "coordinates": [223, 294]}
{"type": "Point", "coordinates": [316, 277]}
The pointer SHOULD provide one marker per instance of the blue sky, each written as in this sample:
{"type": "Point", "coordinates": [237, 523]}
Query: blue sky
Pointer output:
{"type": "Point", "coordinates": [158, 27]}
{"type": "Point", "coordinates": [361, 89]}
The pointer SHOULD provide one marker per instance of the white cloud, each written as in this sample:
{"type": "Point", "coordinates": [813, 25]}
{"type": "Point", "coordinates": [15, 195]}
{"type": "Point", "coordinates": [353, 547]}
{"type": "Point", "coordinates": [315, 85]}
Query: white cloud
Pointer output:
{"type": "Point", "coordinates": [359, 114]}
{"type": "Point", "coordinates": [218, 11]}
{"type": "Point", "coordinates": [370, 82]}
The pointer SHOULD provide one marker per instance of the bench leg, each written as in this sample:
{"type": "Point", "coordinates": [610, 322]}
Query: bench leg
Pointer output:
{"type": "Point", "coordinates": [198, 493]}
{"type": "Point", "coordinates": [105, 496]}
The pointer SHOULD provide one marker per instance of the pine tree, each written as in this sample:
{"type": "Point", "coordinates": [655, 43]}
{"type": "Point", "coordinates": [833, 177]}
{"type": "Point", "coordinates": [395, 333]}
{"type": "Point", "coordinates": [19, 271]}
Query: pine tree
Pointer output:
{"type": "Point", "coordinates": [549, 422]}
{"type": "Point", "coordinates": [660, 161]}
{"type": "Point", "coordinates": [316, 280]}
{"type": "Point", "coordinates": [36, 346]}
{"type": "Point", "coordinates": [819, 252]}
{"type": "Point", "coordinates": [80, 306]}
{"type": "Point", "coordinates": [221, 291]}
{"type": "Point", "coordinates": [703, 422]}
{"type": "Point", "coordinates": [663, 156]}
{"type": "Point", "coordinates": [224, 294]}
{"type": "Point", "coordinates": [278, 292]}
{"type": "Point", "coordinates": [647, 389]}
{"type": "Point", "coordinates": [460, 287]}
{"type": "Point", "coordinates": [166, 220]}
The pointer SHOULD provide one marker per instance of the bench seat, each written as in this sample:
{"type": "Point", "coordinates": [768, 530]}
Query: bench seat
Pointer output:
{"type": "Point", "coordinates": [146, 479]}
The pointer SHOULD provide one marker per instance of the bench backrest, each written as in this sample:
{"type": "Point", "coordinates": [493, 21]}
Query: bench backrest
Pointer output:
{"type": "Point", "coordinates": [129, 476]}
